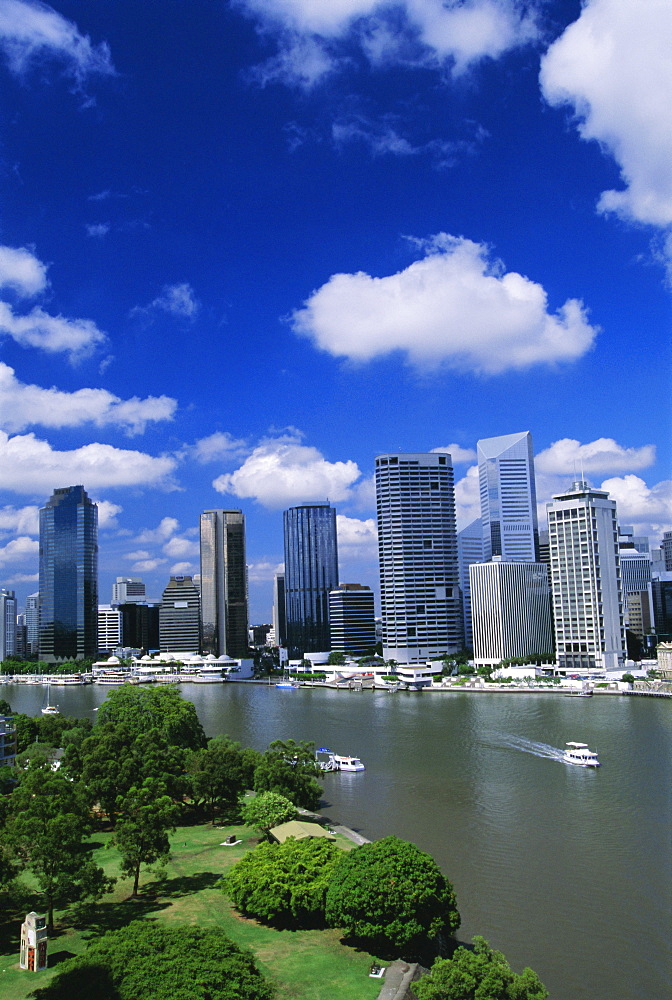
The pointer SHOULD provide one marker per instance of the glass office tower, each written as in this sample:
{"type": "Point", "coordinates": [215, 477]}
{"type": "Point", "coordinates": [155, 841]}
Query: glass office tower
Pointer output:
{"type": "Point", "coordinates": [68, 576]}
{"type": "Point", "coordinates": [508, 498]}
{"type": "Point", "coordinates": [223, 583]}
{"type": "Point", "coordinates": [311, 572]}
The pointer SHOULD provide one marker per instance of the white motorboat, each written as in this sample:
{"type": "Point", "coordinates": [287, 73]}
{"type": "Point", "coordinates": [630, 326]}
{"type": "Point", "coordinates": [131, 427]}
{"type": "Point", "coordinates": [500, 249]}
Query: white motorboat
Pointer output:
{"type": "Point", "coordinates": [338, 762]}
{"type": "Point", "coordinates": [578, 753]}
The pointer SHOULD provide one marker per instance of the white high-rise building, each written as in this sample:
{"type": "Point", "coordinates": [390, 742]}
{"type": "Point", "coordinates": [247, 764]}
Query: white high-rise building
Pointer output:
{"type": "Point", "coordinates": [7, 623]}
{"type": "Point", "coordinates": [469, 551]}
{"type": "Point", "coordinates": [109, 627]}
{"type": "Point", "coordinates": [511, 611]}
{"type": "Point", "coordinates": [33, 622]}
{"type": "Point", "coordinates": [417, 544]}
{"type": "Point", "coordinates": [586, 580]}
{"type": "Point", "coordinates": [128, 590]}
{"type": "Point", "coordinates": [508, 498]}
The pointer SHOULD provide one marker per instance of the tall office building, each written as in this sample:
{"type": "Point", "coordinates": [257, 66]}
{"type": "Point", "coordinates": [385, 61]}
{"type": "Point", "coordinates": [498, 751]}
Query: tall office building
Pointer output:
{"type": "Point", "coordinates": [311, 572]}
{"type": "Point", "coordinates": [508, 498]}
{"type": "Point", "coordinates": [511, 611]}
{"type": "Point", "coordinates": [179, 617]}
{"type": "Point", "coordinates": [279, 612]}
{"type": "Point", "coordinates": [586, 580]}
{"type": "Point", "coordinates": [469, 551]}
{"type": "Point", "coordinates": [667, 550]}
{"type": "Point", "coordinates": [68, 576]}
{"type": "Point", "coordinates": [140, 625]}
{"type": "Point", "coordinates": [223, 583]}
{"type": "Point", "coordinates": [417, 545]}
{"type": "Point", "coordinates": [352, 620]}
{"type": "Point", "coordinates": [128, 590]}
{"type": "Point", "coordinates": [109, 627]}
{"type": "Point", "coordinates": [33, 623]}
{"type": "Point", "coordinates": [7, 623]}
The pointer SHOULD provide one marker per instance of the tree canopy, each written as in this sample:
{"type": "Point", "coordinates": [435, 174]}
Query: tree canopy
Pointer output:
{"type": "Point", "coordinates": [139, 709]}
{"type": "Point", "coordinates": [284, 884]}
{"type": "Point", "coordinates": [478, 973]}
{"type": "Point", "coordinates": [391, 896]}
{"type": "Point", "coordinates": [266, 810]}
{"type": "Point", "coordinates": [146, 814]}
{"type": "Point", "coordinates": [218, 775]}
{"type": "Point", "coordinates": [291, 769]}
{"type": "Point", "coordinates": [145, 961]}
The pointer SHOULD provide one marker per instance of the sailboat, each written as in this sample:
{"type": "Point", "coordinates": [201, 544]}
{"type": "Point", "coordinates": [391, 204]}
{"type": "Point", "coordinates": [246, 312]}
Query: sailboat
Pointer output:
{"type": "Point", "coordinates": [48, 708]}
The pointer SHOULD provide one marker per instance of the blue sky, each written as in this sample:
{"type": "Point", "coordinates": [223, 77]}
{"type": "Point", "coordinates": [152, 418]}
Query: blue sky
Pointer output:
{"type": "Point", "coordinates": [247, 245]}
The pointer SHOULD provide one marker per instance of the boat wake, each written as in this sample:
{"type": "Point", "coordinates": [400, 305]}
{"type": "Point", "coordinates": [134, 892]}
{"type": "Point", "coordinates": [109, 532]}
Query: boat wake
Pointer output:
{"type": "Point", "coordinates": [529, 746]}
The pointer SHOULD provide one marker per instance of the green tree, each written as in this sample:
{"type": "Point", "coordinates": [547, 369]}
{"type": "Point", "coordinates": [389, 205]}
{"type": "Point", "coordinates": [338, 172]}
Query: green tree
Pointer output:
{"type": "Point", "coordinates": [146, 815]}
{"type": "Point", "coordinates": [266, 810]}
{"type": "Point", "coordinates": [478, 973]}
{"type": "Point", "coordinates": [140, 709]}
{"type": "Point", "coordinates": [218, 775]}
{"type": "Point", "coordinates": [195, 964]}
{"type": "Point", "coordinates": [336, 659]}
{"type": "Point", "coordinates": [49, 818]}
{"type": "Point", "coordinates": [291, 769]}
{"type": "Point", "coordinates": [284, 884]}
{"type": "Point", "coordinates": [391, 896]}
{"type": "Point", "coordinates": [26, 731]}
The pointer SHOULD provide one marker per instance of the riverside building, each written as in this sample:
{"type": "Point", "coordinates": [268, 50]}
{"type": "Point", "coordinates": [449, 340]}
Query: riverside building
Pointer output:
{"type": "Point", "coordinates": [311, 572]}
{"type": "Point", "coordinates": [7, 623]}
{"type": "Point", "coordinates": [586, 580]}
{"type": "Point", "coordinates": [352, 621]}
{"type": "Point", "coordinates": [179, 617]}
{"type": "Point", "coordinates": [508, 498]}
{"type": "Point", "coordinates": [68, 576]}
{"type": "Point", "coordinates": [511, 614]}
{"type": "Point", "coordinates": [417, 545]}
{"type": "Point", "coordinates": [223, 583]}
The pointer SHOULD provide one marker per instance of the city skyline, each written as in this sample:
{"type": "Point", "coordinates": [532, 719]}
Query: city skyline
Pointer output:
{"type": "Point", "coordinates": [368, 234]}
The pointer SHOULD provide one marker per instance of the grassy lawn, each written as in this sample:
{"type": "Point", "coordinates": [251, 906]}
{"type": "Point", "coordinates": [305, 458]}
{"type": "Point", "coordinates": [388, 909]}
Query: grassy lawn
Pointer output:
{"type": "Point", "coordinates": [304, 965]}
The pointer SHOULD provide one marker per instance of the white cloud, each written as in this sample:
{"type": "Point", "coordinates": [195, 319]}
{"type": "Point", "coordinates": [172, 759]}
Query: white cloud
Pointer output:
{"type": "Point", "coordinates": [467, 498]}
{"type": "Point", "coordinates": [31, 465]}
{"type": "Point", "coordinates": [649, 509]}
{"type": "Point", "coordinates": [613, 66]}
{"type": "Point", "coordinates": [176, 300]}
{"type": "Point", "coordinates": [22, 271]}
{"type": "Point", "coordinates": [570, 457]}
{"type": "Point", "coordinates": [147, 565]}
{"type": "Point", "coordinates": [182, 569]}
{"type": "Point", "coordinates": [98, 229]}
{"type": "Point", "coordinates": [282, 471]}
{"type": "Point", "coordinates": [76, 337]}
{"type": "Point", "coordinates": [20, 520]}
{"type": "Point", "coordinates": [165, 530]}
{"type": "Point", "coordinates": [457, 453]}
{"type": "Point", "coordinates": [454, 307]}
{"type": "Point", "coordinates": [19, 578]}
{"type": "Point", "coordinates": [107, 514]}
{"type": "Point", "coordinates": [176, 547]}
{"type": "Point", "coordinates": [311, 34]}
{"type": "Point", "coordinates": [22, 405]}
{"type": "Point", "coordinates": [32, 32]}
{"type": "Point", "coordinates": [217, 446]}
{"type": "Point", "coordinates": [357, 539]}
{"type": "Point", "coordinates": [19, 549]}
{"type": "Point", "coordinates": [262, 572]}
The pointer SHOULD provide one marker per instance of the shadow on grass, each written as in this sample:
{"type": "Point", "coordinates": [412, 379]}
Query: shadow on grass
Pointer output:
{"type": "Point", "coordinates": [182, 885]}
{"type": "Point", "coordinates": [59, 956]}
{"type": "Point", "coordinates": [97, 918]}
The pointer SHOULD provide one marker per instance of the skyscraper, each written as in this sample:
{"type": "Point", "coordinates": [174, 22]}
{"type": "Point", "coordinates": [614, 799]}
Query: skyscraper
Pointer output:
{"type": "Point", "coordinates": [279, 610]}
{"type": "Point", "coordinates": [68, 575]}
{"type": "Point", "coordinates": [508, 498]}
{"type": "Point", "coordinates": [417, 544]}
{"type": "Point", "coordinates": [586, 580]}
{"type": "Point", "coordinates": [223, 583]}
{"type": "Point", "coordinates": [311, 572]}
{"type": "Point", "coordinates": [33, 623]}
{"type": "Point", "coordinates": [179, 617]}
{"type": "Point", "coordinates": [7, 623]}
{"type": "Point", "coordinates": [469, 551]}
{"type": "Point", "coordinates": [511, 614]}
{"type": "Point", "coordinates": [352, 620]}
{"type": "Point", "coordinates": [128, 590]}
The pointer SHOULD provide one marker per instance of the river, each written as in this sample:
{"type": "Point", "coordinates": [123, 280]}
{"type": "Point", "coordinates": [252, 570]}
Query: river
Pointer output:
{"type": "Point", "coordinates": [565, 869]}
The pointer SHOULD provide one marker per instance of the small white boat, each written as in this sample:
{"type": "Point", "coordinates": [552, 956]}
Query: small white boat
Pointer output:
{"type": "Point", "coordinates": [578, 753]}
{"type": "Point", "coordinates": [50, 709]}
{"type": "Point", "coordinates": [338, 762]}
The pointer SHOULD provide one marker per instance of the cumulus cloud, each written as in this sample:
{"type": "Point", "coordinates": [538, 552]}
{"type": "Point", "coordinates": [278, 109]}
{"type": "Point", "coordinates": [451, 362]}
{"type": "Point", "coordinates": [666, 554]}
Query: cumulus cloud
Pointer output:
{"type": "Point", "coordinates": [313, 36]}
{"type": "Point", "coordinates": [570, 457]}
{"type": "Point", "coordinates": [357, 539]}
{"type": "Point", "coordinates": [263, 571]}
{"type": "Point", "coordinates": [649, 509]}
{"type": "Point", "coordinates": [30, 465]}
{"type": "Point", "coordinates": [165, 530]}
{"type": "Point", "coordinates": [19, 549]}
{"type": "Point", "coordinates": [176, 300]}
{"type": "Point", "coordinates": [147, 565]}
{"type": "Point", "coordinates": [176, 547]}
{"type": "Point", "coordinates": [457, 453]}
{"type": "Point", "coordinates": [282, 471]}
{"type": "Point", "coordinates": [467, 498]}
{"type": "Point", "coordinates": [453, 307]}
{"type": "Point", "coordinates": [612, 65]}
{"type": "Point", "coordinates": [182, 569]}
{"type": "Point", "coordinates": [98, 229]}
{"type": "Point", "coordinates": [23, 405]}
{"type": "Point", "coordinates": [20, 520]}
{"type": "Point", "coordinates": [217, 446]}
{"type": "Point", "coordinates": [31, 33]}
{"type": "Point", "coordinates": [107, 514]}
{"type": "Point", "coordinates": [22, 272]}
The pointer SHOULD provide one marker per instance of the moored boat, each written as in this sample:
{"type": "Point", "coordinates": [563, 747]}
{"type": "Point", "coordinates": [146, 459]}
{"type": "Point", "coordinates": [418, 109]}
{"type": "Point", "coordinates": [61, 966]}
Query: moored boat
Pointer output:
{"type": "Point", "coordinates": [338, 762]}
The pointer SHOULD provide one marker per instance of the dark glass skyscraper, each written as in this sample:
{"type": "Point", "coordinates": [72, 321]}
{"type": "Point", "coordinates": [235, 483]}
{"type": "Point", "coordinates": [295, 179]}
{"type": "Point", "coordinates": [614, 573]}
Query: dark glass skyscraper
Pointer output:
{"type": "Point", "coordinates": [223, 583]}
{"type": "Point", "coordinates": [311, 572]}
{"type": "Point", "coordinates": [68, 576]}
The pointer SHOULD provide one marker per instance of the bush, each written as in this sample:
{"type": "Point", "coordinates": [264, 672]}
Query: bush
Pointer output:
{"type": "Point", "coordinates": [391, 896]}
{"type": "Point", "coordinates": [284, 884]}
{"type": "Point", "coordinates": [478, 973]}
